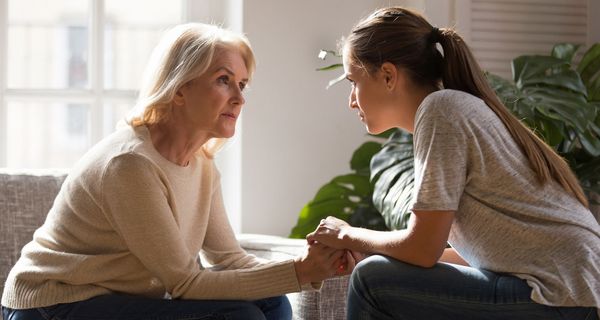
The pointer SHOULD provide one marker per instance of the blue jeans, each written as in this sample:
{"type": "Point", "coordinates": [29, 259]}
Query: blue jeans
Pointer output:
{"type": "Point", "coordinates": [385, 288]}
{"type": "Point", "coordinates": [126, 307]}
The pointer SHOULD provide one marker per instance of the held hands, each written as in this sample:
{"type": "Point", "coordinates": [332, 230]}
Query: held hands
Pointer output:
{"type": "Point", "coordinates": [326, 254]}
{"type": "Point", "coordinates": [331, 232]}
{"type": "Point", "coordinates": [317, 263]}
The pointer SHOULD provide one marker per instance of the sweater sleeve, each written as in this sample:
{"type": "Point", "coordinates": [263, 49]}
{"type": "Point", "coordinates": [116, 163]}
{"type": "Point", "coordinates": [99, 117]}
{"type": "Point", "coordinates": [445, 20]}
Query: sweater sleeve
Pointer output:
{"type": "Point", "coordinates": [221, 248]}
{"type": "Point", "coordinates": [135, 199]}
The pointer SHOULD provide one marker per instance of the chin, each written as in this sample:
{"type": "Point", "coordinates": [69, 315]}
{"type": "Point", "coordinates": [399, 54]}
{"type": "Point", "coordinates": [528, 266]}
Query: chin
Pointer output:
{"type": "Point", "coordinates": [228, 135]}
{"type": "Point", "coordinates": [376, 130]}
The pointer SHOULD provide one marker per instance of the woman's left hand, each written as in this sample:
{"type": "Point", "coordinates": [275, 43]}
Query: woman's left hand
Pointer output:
{"type": "Point", "coordinates": [332, 232]}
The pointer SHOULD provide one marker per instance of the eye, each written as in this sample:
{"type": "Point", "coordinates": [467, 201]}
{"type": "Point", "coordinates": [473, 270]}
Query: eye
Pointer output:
{"type": "Point", "coordinates": [243, 86]}
{"type": "Point", "coordinates": [224, 79]}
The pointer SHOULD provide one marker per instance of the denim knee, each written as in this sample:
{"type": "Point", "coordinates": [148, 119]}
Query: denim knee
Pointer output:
{"type": "Point", "coordinates": [276, 307]}
{"type": "Point", "coordinates": [246, 311]}
{"type": "Point", "coordinates": [364, 270]}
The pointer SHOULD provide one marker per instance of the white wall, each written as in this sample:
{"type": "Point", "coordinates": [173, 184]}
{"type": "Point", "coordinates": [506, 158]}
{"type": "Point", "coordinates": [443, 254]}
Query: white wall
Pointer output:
{"type": "Point", "coordinates": [296, 134]}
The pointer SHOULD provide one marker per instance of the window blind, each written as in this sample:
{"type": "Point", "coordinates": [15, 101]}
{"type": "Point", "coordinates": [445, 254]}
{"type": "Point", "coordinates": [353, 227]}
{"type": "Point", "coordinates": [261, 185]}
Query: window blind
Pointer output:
{"type": "Point", "coordinates": [501, 30]}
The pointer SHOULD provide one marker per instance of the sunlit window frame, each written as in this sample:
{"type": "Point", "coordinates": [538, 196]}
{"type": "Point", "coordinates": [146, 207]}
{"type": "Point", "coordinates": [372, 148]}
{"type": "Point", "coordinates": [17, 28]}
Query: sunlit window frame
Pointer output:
{"type": "Point", "coordinates": [95, 95]}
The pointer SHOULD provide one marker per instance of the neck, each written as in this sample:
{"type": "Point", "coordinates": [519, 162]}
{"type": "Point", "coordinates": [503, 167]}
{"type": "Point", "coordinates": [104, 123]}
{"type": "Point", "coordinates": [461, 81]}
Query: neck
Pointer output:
{"type": "Point", "coordinates": [175, 143]}
{"type": "Point", "coordinates": [413, 101]}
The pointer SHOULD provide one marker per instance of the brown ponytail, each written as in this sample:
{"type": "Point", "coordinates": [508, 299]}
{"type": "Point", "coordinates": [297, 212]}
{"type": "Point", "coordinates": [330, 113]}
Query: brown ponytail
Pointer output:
{"type": "Point", "coordinates": [407, 40]}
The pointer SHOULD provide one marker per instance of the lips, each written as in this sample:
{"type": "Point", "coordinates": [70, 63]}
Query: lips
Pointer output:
{"type": "Point", "coordinates": [230, 115]}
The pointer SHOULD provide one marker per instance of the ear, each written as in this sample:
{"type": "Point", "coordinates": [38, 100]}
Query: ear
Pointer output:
{"type": "Point", "coordinates": [389, 74]}
{"type": "Point", "coordinates": [179, 98]}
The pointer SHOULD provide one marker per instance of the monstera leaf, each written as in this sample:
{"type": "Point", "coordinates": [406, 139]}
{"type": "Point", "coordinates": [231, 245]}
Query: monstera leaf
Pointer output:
{"type": "Point", "coordinates": [561, 103]}
{"type": "Point", "coordinates": [347, 197]}
{"type": "Point", "coordinates": [392, 171]}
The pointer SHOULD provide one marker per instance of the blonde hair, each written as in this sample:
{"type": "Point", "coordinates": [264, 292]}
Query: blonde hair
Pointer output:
{"type": "Point", "coordinates": [407, 40]}
{"type": "Point", "coordinates": [184, 53]}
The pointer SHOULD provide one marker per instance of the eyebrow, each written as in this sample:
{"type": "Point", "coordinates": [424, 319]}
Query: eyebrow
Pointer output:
{"type": "Point", "coordinates": [230, 72]}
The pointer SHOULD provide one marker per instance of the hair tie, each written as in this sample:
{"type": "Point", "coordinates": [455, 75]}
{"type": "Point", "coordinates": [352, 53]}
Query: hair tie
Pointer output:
{"type": "Point", "coordinates": [435, 35]}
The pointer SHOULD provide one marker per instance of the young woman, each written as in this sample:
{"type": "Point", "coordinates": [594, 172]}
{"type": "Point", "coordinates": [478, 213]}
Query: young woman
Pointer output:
{"type": "Point", "coordinates": [128, 224]}
{"type": "Point", "coordinates": [524, 244]}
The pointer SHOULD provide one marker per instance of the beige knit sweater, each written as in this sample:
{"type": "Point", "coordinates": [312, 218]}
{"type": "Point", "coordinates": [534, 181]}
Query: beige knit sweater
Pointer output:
{"type": "Point", "coordinates": [127, 220]}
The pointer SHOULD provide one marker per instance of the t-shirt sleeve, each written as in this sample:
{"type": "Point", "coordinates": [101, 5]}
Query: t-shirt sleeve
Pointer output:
{"type": "Point", "coordinates": [441, 155]}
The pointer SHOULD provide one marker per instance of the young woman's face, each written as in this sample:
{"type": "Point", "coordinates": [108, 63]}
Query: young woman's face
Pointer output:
{"type": "Point", "coordinates": [369, 97]}
{"type": "Point", "coordinates": [212, 102]}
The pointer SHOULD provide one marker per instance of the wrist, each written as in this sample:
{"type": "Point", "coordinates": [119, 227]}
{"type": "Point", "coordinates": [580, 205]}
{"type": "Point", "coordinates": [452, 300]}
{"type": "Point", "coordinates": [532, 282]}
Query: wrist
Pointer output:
{"type": "Point", "coordinates": [347, 237]}
{"type": "Point", "coordinates": [299, 268]}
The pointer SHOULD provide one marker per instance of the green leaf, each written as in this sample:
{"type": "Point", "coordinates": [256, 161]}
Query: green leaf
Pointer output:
{"type": "Point", "coordinates": [565, 51]}
{"type": "Point", "coordinates": [392, 171]}
{"type": "Point", "coordinates": [567, 79]}
{"type": "Point", "coordinates": [590, 63]}
{"type": "Point", "coordinates": [562, 106]}
{"type": "Point", "coordinates": [552, 132]}
{"type": "Point", "coordinates": [312, 213]}
{"type": "Point", "coordinates": [341, 197]}
{"type": "Point", "coordinates": [383, 159]}
{"type": "Point", "coordinates": [525, 67]}
{"type": "Point", "coordinates": [386, 134]}
{"type": "Point", "coordinates": [361, 158]}
{"type": "Point", "coordinates": [360, 184]}
{"type": "Point", "coordinates": [334, 191]}
{"type": "Point", "coordinates": [367, 217]}
{"type": "Point", "coordinates": [590, 142]}
{"type": "Point", "coordinates": [331, 67]}
{"type": "Point", "coordinates": [593, 88]}
{"type": "Point", "coordinates": [536, 70]}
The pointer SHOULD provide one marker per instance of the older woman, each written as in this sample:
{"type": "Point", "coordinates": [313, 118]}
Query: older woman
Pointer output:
{"type": "Point", "coordinates": [126, 228]}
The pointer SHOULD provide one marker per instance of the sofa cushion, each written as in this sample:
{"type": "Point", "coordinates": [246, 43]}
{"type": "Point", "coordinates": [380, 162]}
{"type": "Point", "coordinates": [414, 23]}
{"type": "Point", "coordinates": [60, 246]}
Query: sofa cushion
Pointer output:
{"type": "Point", "coordinates": [25, 199]}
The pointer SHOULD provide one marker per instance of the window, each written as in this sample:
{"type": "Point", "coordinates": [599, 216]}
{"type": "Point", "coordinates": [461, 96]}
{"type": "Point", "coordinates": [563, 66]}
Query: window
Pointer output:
{"type": "Point", "coordinates": [69, 72]}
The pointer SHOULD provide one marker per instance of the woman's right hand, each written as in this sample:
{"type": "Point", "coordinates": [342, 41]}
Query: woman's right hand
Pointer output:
{"type": "Point", "coordinates": [317, 263]}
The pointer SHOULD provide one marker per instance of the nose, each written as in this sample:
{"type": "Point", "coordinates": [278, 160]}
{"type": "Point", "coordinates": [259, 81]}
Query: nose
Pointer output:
{"type": "Point", "coordinates": [352, 100]}
{"type": "Point", "coordinates": [238, 96]}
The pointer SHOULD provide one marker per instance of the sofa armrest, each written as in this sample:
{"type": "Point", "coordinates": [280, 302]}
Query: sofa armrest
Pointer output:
{"type": "Point", "coordinates": [25, 198]}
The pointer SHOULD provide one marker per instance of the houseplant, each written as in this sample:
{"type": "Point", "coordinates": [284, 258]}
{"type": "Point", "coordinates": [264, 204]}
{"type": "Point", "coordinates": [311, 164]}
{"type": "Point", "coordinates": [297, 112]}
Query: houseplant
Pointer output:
{"type": "Point", "coordinates": [558, 99]}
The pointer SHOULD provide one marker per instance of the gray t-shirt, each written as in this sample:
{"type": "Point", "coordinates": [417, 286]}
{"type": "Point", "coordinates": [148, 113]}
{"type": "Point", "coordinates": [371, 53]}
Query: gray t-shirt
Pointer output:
{"type": "Point", "coordinates": [505, 221]}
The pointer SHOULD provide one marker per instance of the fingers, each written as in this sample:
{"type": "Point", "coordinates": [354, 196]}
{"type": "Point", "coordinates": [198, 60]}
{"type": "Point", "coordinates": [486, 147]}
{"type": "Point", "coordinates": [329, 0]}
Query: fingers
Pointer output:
{"type": "Point", "coordinates": [351, 261]}
{"type": "Point", "coordinates": [310, 238]}
{"type": "Point", "coordinates": [348, 266]}
{"type": "Point", "coordinates": [358, 256]}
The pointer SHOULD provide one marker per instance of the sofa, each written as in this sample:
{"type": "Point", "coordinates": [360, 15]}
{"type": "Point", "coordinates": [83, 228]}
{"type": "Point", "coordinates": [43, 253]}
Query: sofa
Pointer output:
{"type": "Point", "coordinates": [26, 197]}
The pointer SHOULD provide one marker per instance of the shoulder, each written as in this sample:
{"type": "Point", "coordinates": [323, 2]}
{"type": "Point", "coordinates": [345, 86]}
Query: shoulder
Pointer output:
{"type": "Point", "coordinates": [453, 109]}
{"type": "Point", "coordinates": [449, 104]}
{"type": "Point", "coordinates": [94, 161]}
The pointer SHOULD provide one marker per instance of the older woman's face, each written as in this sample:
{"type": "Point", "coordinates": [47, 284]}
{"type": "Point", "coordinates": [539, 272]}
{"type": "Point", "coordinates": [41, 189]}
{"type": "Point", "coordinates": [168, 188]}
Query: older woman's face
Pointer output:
{"type": "Point", "coordinates": [212, 102]}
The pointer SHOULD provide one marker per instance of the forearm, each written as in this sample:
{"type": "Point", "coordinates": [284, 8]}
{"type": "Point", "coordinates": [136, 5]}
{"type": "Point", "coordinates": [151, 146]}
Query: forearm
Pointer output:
{"type": "Point", "coordinates": [422, 243]}
{"type": "Point", "coordinates": [396, 244]}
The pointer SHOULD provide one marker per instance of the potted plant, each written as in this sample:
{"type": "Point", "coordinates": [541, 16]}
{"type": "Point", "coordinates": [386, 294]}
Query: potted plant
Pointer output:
{"type": "Point", "coordinates": [558, 99]}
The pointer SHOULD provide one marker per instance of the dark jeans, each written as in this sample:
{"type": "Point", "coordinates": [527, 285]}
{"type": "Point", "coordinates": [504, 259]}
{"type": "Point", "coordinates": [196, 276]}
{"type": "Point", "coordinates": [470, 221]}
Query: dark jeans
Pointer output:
{"type": "Point", "coordinates": [126, 307]}
{"type": "Point", "coordinates": [385, 288]}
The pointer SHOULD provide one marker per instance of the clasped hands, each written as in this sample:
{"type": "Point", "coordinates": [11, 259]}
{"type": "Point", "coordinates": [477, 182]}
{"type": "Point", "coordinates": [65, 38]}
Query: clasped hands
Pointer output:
{"type": "Point", "coordinates": [327, 252]}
